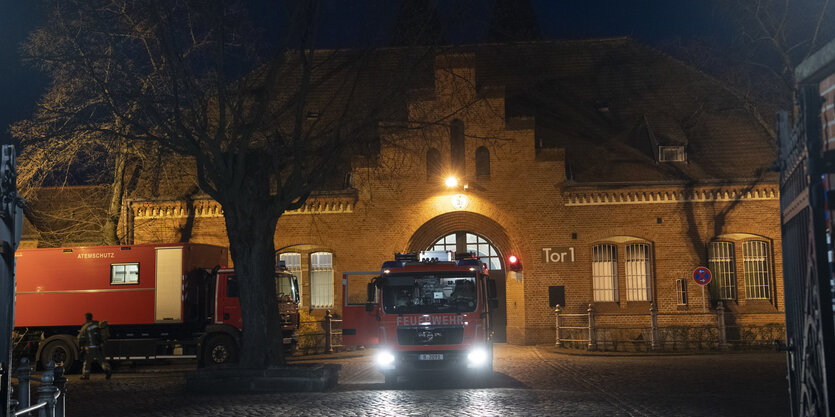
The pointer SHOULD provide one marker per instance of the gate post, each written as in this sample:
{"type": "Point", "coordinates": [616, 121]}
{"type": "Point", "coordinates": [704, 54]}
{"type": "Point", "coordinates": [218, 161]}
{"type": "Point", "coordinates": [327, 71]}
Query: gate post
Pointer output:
{"type": "Point", "coordinates": [61, 386]}
{"type": "Point", "coordinates": [23, 375]}
{"type": "Point", "coordinates": [653, 335]}
{"type": "Point", "coordinates": [46, 392]}
{"type": "Point", "coordinates": [328, 332]}
{"type": "Point", "coordinates": [557, 314]}
{"type": "Point", "coordinates": [720, 321]}
{"type": "Point", "coordinates": [592, 341]}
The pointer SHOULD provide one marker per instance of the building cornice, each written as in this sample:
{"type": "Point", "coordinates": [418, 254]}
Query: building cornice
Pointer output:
{"type": "Point", "coordinates": [208, 208]}
{"type": "Point", "coordinates": [669, 195]}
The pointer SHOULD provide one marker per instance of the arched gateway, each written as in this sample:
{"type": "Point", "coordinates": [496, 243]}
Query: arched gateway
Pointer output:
{"type": "Point", "coordinates": [471, 232]}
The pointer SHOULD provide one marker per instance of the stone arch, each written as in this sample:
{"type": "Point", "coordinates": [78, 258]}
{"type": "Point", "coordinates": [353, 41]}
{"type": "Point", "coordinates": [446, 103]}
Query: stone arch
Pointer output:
{"type": "Point", "coordinates": [457, 221]}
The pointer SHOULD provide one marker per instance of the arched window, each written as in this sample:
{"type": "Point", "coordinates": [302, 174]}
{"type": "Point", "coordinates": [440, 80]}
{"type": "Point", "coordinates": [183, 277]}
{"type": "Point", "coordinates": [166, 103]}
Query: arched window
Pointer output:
{"type": "Point", "coordinates": [433, 164]}
{"type": "Point", "coordinates": [293, 262]}
{"type": "Point", "coordinates": [604, 272]}
{"type": "Point", "coordinates": [457, 147]}
{"type": "Point", "coordinates": [321, 280]}
{"type": "Point", "coordinates": [755, 259]}
{"type": "Point", "coordinates": [720, 260]}
{"type": "Point", "coordinates": [638, 275]}
{"type": "Point", "coordinates": [469, 242]}
{"type": "Point", "coordinates": [482, 162]}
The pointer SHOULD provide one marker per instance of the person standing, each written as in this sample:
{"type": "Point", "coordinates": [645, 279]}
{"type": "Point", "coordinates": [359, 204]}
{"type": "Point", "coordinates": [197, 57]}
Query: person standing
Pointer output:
{"type": "Point", "coordinates": [91, 339]}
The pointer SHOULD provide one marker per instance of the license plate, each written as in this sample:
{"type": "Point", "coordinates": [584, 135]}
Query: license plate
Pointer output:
{"type": "Point", "coordinates": [431, 357]}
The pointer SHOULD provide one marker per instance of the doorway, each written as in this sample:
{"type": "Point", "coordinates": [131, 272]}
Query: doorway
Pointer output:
{"type": "Point", "coordinates": [463, 241]}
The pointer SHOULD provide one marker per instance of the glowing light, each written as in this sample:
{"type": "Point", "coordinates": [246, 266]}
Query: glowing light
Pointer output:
{"type": "Point", "coordinates": [451, 182]}
{"type": "Point", "coordinates": [512, 259]}
{"type": "Point", "coordinates": [460, 201]}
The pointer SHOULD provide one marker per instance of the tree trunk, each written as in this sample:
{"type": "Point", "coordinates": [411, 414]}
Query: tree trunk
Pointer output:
{"type": "Point", "coordinates": [110, 232]}
{"type": "Point", "coordinates": [251, 245]}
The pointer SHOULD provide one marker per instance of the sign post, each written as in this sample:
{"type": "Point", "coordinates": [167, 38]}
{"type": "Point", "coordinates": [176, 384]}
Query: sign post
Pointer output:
{"type": "Point", "coordinates": [702, 277]}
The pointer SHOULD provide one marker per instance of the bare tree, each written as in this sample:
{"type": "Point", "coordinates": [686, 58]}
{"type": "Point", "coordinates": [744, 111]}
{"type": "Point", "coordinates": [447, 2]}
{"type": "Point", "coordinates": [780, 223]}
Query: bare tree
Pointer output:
{"type": "Point", "coordinates": [265, 122]}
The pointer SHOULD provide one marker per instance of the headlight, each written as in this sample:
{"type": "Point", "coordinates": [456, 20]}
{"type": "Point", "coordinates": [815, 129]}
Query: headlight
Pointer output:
{"type": "Point", "coordinates": [477, 357]}
{"type": "Point", "coordinates": [384, 358]}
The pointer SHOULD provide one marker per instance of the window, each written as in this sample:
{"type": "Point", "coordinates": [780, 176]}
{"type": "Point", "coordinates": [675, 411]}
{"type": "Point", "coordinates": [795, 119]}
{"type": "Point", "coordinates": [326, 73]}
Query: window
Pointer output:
{"type": "Point", "coordinates": [293, 262]}
{"type": "Point", "coordinates": [671, 154]}
{"type": "Point", "coordinates": [232, 287]}
{"type": "Point", "coordinates": [470, 242]}
{"type": "Point", "coordinates": [124, 274]}
{"type": "Point", "coordinates": [604, 271]}
{"type": "Point", "coordinates": [721, 263]}
{"type": "Point", "coordinates": [433, 164]}
{"type": "Point", "coordinates": [457, 147]}
{"type": "Point", "coordinates": [755, 269]}
{"type": "Point", "coordinates": [638, 272]}
{"type": "Point", "coordinates": [321, 280]}
{"type": "Point", "coordinates": [482, 162]}
{"type": "Point", "coordinates": [681, 292]}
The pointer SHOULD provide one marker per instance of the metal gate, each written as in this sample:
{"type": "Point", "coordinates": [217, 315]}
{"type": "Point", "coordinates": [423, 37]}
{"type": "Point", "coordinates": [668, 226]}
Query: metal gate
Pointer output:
{"type": "Point", "coordinates": [806, 267]}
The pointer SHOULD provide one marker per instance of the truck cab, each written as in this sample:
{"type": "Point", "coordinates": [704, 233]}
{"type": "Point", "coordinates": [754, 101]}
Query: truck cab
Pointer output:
{"type": "Point", "coordinates": [426, 312]}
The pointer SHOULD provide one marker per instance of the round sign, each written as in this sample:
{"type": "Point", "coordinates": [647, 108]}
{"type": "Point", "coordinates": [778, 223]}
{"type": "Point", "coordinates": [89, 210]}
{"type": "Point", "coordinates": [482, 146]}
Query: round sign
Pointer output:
{"type": "Point", "coordinates": [701, 275]}
{"type": "Point", "coordinates": [459, 201]}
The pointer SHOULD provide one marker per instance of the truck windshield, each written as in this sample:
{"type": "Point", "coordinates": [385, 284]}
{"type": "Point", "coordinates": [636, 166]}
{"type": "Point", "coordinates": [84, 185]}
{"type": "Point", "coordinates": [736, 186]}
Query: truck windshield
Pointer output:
{"type": "Point", "coordinates": [429, 293]}
{"type": "Point", "coordinates": [286, 287]}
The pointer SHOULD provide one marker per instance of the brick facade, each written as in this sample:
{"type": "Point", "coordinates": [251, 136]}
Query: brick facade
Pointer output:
{"type": "Point", "coordinates": [525, 206]}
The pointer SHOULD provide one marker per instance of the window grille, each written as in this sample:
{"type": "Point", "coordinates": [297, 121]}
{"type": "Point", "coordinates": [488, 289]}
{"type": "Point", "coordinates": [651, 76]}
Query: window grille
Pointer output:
{"type": "Point", "coordinates": [671, 154]}
{"type": "Point", "coordinates": [484, 251]}
{"type": "Point", "coordinates": [638, 272]}
{"type": "Point", "coordinates": [755, 269]}
{"type": "Point", "coordinates": [321, 280]}
{"type": "Point", "coordinates": [293, 262]}
{"type": "Point", "coordinates": [124, 274]}
{"type": "Point", "coordinates": [721, 264]}
{"type": "Point", "coordinates": [604, 272]}
{"type": "Point", "coordinates": [681, 292]}
{"type": "Point", "coordinates": [482, 162]}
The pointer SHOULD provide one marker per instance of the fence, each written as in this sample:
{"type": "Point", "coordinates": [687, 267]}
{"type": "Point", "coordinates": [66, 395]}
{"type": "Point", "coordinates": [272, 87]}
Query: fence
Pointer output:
{"type": "Point", "coordinates": [320, 336]}
{"type": "Point", "coordinates": [583, 333]}
{"type": "Point", "coordinates": [51, 392]}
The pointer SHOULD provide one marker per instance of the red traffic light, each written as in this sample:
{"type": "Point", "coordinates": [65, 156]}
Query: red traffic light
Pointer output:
{"type": "Point", "coordinates": [513, 263]}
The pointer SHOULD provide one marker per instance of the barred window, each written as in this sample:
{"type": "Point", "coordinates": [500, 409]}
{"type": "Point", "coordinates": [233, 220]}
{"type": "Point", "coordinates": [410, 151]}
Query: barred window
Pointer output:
{"type": "Point", "coordinates": [604, 272]}
{"type": "Point", "coordinates": [638, 272]}
{"type": "Point", "coordinates": [321, 280]}
{"type": "Point", "coordinates": [755, 269]}
{"type": "Point", "coordinates": [721, 263]}
{"type": "Point", "coordinates": [293, 262]}
{"type": "Point", "coordinates": [681, 292]}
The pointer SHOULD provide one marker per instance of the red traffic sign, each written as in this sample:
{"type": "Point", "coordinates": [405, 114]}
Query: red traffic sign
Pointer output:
{"type": "Point", "coordinates": [701, 275]}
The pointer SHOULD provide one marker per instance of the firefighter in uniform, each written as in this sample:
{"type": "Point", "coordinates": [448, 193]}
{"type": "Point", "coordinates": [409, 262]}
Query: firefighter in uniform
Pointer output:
{"type": "Point", "coordinates": [91, 339]}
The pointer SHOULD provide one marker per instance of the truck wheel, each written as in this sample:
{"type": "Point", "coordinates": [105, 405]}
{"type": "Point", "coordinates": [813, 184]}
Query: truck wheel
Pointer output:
{"type": "Point", "coordinates": [219, 350]}
{"type": "Point", "coordinates": [60, 352]}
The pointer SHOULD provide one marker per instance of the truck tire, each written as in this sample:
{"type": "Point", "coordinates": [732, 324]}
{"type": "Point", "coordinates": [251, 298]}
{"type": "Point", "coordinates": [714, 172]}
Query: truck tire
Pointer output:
{"type": "Point", "coordinates": [60, 352]}
{"type": "Point", "coordinates": [220, 350]}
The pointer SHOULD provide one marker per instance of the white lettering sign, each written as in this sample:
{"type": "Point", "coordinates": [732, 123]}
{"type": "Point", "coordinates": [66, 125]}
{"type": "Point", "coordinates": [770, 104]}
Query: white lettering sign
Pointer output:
{"type": "Point", "coordinates": [555, 255]}
{"type": "Point", "coordinates": [96, 255]}
{"type": "Point", "coordinates": [434, 320]}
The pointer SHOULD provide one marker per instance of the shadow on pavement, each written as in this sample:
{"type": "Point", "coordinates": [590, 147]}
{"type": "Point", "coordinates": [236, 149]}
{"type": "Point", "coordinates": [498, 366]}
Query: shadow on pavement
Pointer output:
{"type": "Point", "coordinates": [438, 381]}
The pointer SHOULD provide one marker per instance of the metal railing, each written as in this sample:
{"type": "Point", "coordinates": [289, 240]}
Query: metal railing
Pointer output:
{"type": "Point", "coordinates": [655, 337]}
{"type": "Point", "coordinates": [330, 332]}
{"type": "Point", "coordinates": [51, 393]}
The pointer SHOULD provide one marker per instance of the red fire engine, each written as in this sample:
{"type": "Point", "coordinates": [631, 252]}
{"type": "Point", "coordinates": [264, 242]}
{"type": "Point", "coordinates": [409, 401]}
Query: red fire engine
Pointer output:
{"type": "Point", "coordinates": [159, 300]}
{"type": "Point", "coordinates": [425, 314]}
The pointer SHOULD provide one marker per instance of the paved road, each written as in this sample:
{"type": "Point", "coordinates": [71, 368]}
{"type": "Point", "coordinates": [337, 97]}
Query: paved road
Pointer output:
{"type": "Point", "coordinates": [528, 381]}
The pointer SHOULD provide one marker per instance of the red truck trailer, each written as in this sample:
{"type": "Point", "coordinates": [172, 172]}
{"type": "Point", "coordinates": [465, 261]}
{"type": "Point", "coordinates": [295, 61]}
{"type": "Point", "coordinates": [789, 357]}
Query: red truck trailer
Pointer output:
{"type": "Point", "coordinates": [159, 300]}
{"type": "Point", "coordinates": [425, 312]}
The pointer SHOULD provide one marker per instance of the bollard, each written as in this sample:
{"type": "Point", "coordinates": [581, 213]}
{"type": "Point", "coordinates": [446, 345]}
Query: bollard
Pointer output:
{"type": "Point", "coordinates": [328, 332]}
{"type": "Point", "coordinates": [23, 376]}
{"type": "Point", "coordinates": [653, 314]}
{"type": "Point", "coordinates": [557, 313]}
{"type": "Point", "coordinates": [720, 321]}
{"type": "Point", "coordinates": [61, 385]}
{"type": "Point", "coordinates": [592, 341]}
{"type": "Point", "coordinates": [46, 392]}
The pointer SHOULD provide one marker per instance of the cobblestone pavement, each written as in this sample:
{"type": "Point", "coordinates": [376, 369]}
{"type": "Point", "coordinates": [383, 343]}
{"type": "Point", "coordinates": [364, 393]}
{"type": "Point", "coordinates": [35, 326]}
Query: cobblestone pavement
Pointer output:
{"type": "Point", "coordinates": [528, 381]}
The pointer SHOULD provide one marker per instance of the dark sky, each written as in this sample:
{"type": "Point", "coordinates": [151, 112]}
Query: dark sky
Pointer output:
{"type": "Point", "coordinates": [653, 21]}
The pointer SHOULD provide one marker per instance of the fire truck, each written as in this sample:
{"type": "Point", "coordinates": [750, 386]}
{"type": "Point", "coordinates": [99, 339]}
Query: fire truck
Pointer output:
{"type": "Point", "coordinates": [425, 312]}
{"type": "Point", "coordinates": [159, 301]}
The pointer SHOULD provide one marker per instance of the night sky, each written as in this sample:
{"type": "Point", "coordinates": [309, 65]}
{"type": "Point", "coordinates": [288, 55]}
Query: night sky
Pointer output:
{"type": "Point", "coordinates": [656, 22]}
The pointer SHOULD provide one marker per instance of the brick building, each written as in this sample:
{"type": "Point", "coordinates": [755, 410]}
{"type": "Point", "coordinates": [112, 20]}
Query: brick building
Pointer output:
{"type": "Point", "coordinates": [610, 169]}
